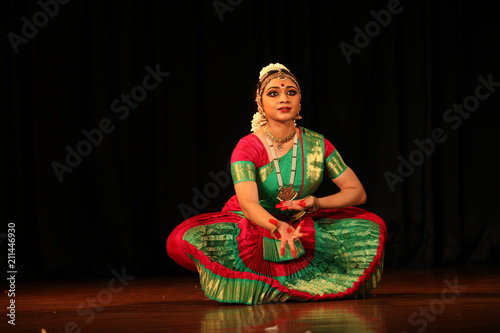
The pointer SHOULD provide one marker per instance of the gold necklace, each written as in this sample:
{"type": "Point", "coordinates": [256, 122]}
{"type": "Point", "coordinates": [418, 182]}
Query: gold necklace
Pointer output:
{"type": "Point", "coordinates": [279, 142]}
{"type": "Point", "coordinates": [285, 193]}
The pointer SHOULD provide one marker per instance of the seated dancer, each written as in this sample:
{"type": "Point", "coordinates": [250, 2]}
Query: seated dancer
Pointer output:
{"type": "Point", "coordinates": [274, 240]}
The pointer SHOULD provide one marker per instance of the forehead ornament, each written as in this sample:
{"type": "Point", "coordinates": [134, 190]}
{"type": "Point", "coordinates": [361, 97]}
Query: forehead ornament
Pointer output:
{"type": "Point", "coordinates": [265, 78]}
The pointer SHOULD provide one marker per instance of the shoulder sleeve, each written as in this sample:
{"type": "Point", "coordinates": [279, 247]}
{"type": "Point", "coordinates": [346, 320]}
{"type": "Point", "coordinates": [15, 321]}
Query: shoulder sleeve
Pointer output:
{"type": "Point", "coordinates": [246, 157]}
{"type": "Point", "coordinates": [334, 165]}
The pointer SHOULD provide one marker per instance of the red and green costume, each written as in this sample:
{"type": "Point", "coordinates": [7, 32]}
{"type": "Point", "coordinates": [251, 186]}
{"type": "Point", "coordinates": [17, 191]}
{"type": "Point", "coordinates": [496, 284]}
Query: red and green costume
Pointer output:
{"type": "Point", "coordinates": [344, 248]}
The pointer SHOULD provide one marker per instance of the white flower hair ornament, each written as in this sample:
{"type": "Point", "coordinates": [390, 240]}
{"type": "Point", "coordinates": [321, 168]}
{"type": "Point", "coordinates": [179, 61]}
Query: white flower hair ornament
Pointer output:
{"type": "Point", "coordinates": [271, 67]}
{"type": "Point", "coordinates": [259, 120]}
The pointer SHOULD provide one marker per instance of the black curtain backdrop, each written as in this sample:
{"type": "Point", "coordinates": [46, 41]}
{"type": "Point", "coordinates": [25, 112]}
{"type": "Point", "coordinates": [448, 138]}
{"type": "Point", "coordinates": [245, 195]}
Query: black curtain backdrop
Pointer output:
{"type": "Point", "coordinates": [119, 118]}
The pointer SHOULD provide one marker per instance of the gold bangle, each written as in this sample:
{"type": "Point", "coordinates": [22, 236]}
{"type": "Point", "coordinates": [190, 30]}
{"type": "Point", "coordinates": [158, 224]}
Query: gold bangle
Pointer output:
{"type": "Point", "coordinates": [273, 230]}
{"type": "Point", "coordinates": [315, 207]}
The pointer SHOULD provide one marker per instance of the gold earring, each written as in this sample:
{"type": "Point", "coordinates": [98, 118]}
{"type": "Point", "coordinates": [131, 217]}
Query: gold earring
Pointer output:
{"type": "Point", "coordinates": [261, 111]}
{"type": "Point", "coordinates": [298, 116]}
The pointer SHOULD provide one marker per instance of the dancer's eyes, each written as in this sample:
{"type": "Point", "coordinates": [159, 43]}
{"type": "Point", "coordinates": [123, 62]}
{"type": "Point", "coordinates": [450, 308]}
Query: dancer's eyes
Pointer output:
{"type": "Point", "coordinates": [274, 93]}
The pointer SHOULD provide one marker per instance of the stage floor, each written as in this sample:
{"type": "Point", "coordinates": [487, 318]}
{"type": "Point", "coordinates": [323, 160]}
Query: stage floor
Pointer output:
{"type": "Point", "coordinates": [452, 299]}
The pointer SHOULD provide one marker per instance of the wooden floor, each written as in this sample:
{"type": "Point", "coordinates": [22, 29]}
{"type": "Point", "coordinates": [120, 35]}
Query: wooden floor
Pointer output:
{"type": "Point", "coordinates": [457, 299]}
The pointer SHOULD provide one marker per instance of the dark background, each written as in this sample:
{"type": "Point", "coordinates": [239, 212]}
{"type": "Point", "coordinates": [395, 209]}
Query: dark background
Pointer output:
{"type": "Point", "coordinates": [119, 203]}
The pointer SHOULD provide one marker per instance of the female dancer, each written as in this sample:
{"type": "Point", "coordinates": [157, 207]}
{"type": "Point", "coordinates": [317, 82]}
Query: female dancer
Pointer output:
{"type": "Point", "coordinates": [274, 240]}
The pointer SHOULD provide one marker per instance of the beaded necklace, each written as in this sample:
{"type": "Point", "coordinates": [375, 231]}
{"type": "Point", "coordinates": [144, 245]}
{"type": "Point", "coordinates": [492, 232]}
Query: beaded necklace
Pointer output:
{"type": "Point", "coordinates": [285, 193]}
